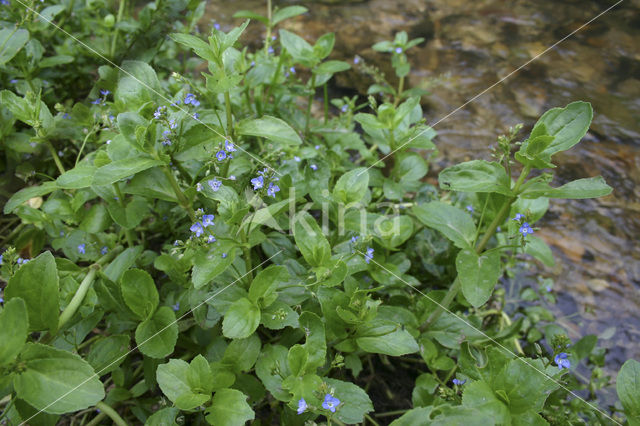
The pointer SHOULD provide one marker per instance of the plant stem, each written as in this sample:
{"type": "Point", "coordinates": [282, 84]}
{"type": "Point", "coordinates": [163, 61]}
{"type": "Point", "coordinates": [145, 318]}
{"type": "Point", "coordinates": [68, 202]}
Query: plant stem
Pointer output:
{"type": "Point", "coordinates": [400, 89]}
{"type": "Point", "coordinates": [77, 299]}
{"type": "Point", "coordinates": [326, 104]}
{"type": "Point", "coordinates": [227, 104]}
{"type": "Point", "coordinates": [54, 154]}
{"type": "Point", "coordinates": [497, 220]}
{"type": "Point", "coordinates": [127, 232]}
{"type": "Point", "coordinates": [113, 414]}
{"type": "Point", "coordinates": [311, 95]}
{"type": "Point", "coordinates": [114, 41]}
{"type": "Point", "coordinates": [184, 202]}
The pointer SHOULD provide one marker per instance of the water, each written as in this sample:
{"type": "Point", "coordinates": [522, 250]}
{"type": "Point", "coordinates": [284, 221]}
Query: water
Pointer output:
{"type": "Point", "coordinates": [472, 45]}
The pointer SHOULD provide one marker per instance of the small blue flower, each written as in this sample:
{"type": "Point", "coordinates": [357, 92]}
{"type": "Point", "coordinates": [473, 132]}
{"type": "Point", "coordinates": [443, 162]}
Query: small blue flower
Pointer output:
{"type": "Point", "coordinates": [354, 240]}
{"type": "Point", "coordinates": [207, 220]}
{"type": "Point", "coordinates": [5, 2]}
{"type": "Point", "coordinates": [253, 63]}
{"type": "Point", "coordinates": [176, 307]}
{"type": "Point", "coordinates": [302, 406]}
{"type": "Point", "coordinates": [1, 299]}
{"type": "Point", "coordinates": [216, 26]}
{"type": "Point", "coordinates": [221, 155]}
{"type": "Point", "coordinates": [317, 147]}
{"type": "Point", "coordinates": [470, 208]}
{"type": "Point", "coordinates": [356, 60]}
{"type": "Point", "coordinates": [232, 177]}
{"type": "Point", "coordinates": [525, 229]}
{"type": "Point", "coordinates": [313, 167]}
{"type": "Point", "coordinates": [211, 239]}
{"type": "Point", "coordinates": [224, 255]}
{"type": "Point", "coordinates": [270, 49]}
{"type": "Point", "coordinates": [172, 124]}
{"type": "Point", "coordinates": [215, 184]}
{"type": "Point", "coordinates": [196, 116]}
{"type": "Point", "coordinates": [81, 248]}
{"type": "Point", "coordinates": [257, 182]}
{"type": "Point", "coordinates": [66, 116]}
{"type": "Point", "coordinates": [518, 216]}
{"type": "Point", "coordinates": [292, 70]}
{"type": "Point", "coordinates": [197, 229]}
{"type": "Point", "coordinates": [330, 403]}
{"type": "Point", "coordinates": [159, 112]}
{"type": "Point", "coordinates": [166, 142]}
{"type": "Point", "coordinates": [191, 99]}
{"type": "Point", "coordinates": [0, 259]}
{"type": "Point", "coordinates": [273, 188]}
{"type": "Point", "coordinates": [459, 382]}
{"type": "Point", "coordinates": [166, 133]}
{"type": "Point", "coordinates": [198, 187]}
{"type": "Point", "coordinates": [562, 361]}
{"type": "Point", "coordinates": [296, 158]}
{"type": "Point", "coordinates": [398, 49]}
{"type": "Point", "coordinates": [97, 101]}
{"type": "Point", "coordinates": [104, 250]}
{"type": "Point", "coordinates": [369, 255]}
{"type": "Point", "coordinates": [104, 92]}
{"type": "Point", "coordinates": [228, 146]}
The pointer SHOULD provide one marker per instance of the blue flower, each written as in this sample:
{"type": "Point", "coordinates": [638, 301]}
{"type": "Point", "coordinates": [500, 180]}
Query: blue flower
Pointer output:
{"type": "Point", "coordinates": [104, 250]}
{"type": "Point", "coordinates": [216, 26]}
{"type": "Point", "coordinates": [191, 99]}
{"type": "Point", "coordinates": [224, 255]}
{"type": "Point", "coordinates": [215, 184]}
{"type": "Point", "coordinates": [97, 101]}
{"type": "Point", "coordinates": [196, 116]}
{"type": "Point", "coordinates": [253, 63]}
{"type": "Point", "coordinates": [369, 255]}
{"type": "Point", "coordinates": [398, 49]}
{"type": "Point", "coordinates": [0, 259]}
{"type": "Point", "coordinates": [159, 112]}
{"type": "Point", "coordinates": [354, 240]}
{"type": "Point", "coordinates": [273, 188]}
{"type": "Point", "coordinates": [518, 216]}
{"type": "Point", "coordinates": [232, 177]}
{"type": "Point", "coordinates": [66, 116]}
{"type": "Point", "coordinates": [166, 133]}
{"type": "Point", "coordinates": [356, 60]}
{"type": "Point", "coordinates": [459, 382]}
{"type": "Point", "coordinates": [197, 229]}
{"type": "Point", "coordinates": [313, 167]}
{"type": "Point", "coordinates": [211, 239]}
{"type": "Point", "coordinates": [198, 186]}
{"type": "Point", "coordinates": [5, 2]}
{"type": "Point", "coordinates": [302, 406]}
{"type": "Point", "coordinates": [228, 146]}
{"type": "Point", "coordinates": [470, 208]}
{"type": "Point", "coordinates": [221, 155]}
{"type": "Point", "coordinates": [81, 248]}
{"type": "Point", "coordinates": [293, 70]}
{"type": "Point", "coordinates": [207, 220]}
{"type": "Point", "coordinates": [270, 49]}
{"type": "Point", "coordinates": [172, 124]}
{"type": "Point", "coordinates": [257, 182]}
{"type": "Point", "coordinates": [317, 147]}
{"type": "Point", "coordinates": [176, 307]}
{"type": "Point", "coordinates": [562, 361]}
{"type": "Point", "coordinates": [104, 92]}
{"type": "Point", "coordinates": [296, 158]}
{"type": "Point", "coordinates": [525, 229]}
{"type": "Point", "coordinates": [1, 299]}
{"type": "Point", "coordinates": [330, 403]}
{"type": "Point", "coordinates": [166, 142]}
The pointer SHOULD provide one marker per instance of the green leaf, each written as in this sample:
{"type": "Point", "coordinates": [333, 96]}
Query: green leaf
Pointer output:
{"type": "Point", "coordinates": [128, 123]}
{"type": "Point", "coordinates": [163, 417]}
{"type": "Point", "coordinates": [409, 168]}
{"type": "Point", "coordinates": [278, 316]}
{"type": "Point", "coordinates": [455, 224]}
{"type": "Point", "coordinates": [525, 386]}
{"type": "Point", "coordinates": [628, 388]}
{"type": "Point", "coordinates": [242, 354]}
{"type": "Point", "coordinates": [271, 128]}
{"type": "Point", "coordinates": [296, 46]}
{"type": "Point", "coordinates": [316, 343]}
{"type": "Point", "coordinates": [107, 354]}
{"type": "Point", "coordinates": [264, 285]}
{"type": "Point", "coordinates": [478, 274]}
{"type": "Point", "coordinates": [208, 265]}
{"type": "Point", "coordinates": [578, 189]}
{"type": "Point", "coordinates": [54, 61]}
{"type": "Point", "coordinates": [352, 186]}
{"type": "Point", "coordinates": [139, 293]}
{"type": "Point", "coordinates": [137, 85]}
{"type": "Point", "coordinates": [286, 13]}
{"type": "Point", "coordinates": [478, 395]}
{"type": "Point", "coordinates": [265, 216]}
{"type": "Point", "coordinates": [121, 169]}
{"type": "Point", "coordinates": [537, 248]}
{"type": "Point", "coordinates": [247, 14]}
{"type": "Point", "coordinates": [172, 378]}
{"type": "Point", "coordinates": [229, 408]}
{"type": "Point", "coordinates": [151, 183]}
{"type": "Point", "coordinates": [331, 67]}
{"type": "Point", "coordinates": [476, 176]}
{"type": "Point", "coordinates": [312, 244]}
{"type": "Point", "coordinates": [354, 401]}
{"type": "Point", "coordinates": [199, 46]}
{"type": "Point", "coordinates": [14, 326]}
{"type": "Point", "coordinates": [413, 417]}
{"type": "Point", "coordinates": [96, 220]}
{"type": "Point", "coordinates": [79, 177]}
{"type": "Point", "coordinates": [156, 337]}
{"type": "Point", "coordinates": [271, 367]}
{"type": "Point", "coordinates": [396, 343]}
{"type": "Point", "coordinates": [199, 376]}
{"type": "Point", "coordinates": [568, 125]}
{"type": "Point", "coordinates": [297, 359]}
{"type": "Point", "coordinates": [11, 42]}
{"type": "Point", "coordinates": [56, 381]}
{"type": "Point", "coordinates": [241, 320]}
{"type": "Point", "coordinates": [37, 284]}
{"type": "Point", "coordinates": [26, 194]}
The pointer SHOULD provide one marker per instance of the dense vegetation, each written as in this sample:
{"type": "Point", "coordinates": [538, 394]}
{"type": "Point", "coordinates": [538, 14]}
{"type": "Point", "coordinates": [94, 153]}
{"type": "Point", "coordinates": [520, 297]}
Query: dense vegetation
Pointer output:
{"type": "Point", "coordinates": [195, 233]}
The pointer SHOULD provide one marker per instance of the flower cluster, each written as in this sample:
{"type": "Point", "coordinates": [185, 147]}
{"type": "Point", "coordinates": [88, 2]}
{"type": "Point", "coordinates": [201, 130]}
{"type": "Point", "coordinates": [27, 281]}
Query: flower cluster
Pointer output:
{"type": "Point", "coordinates": [226, 151]}
{"type": "Point", "coordinates": [525, 228]}
{"type": "Point", "coordinates": [198, 228]}
{"type": "Point", "coordinates": [191, 99]}
{"type": "Point", "coordinates": [259, 182]}
{"type": "Point", "coordinates": [459, 382]}
{"type": "Point", "coordinates": [330, 403]}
